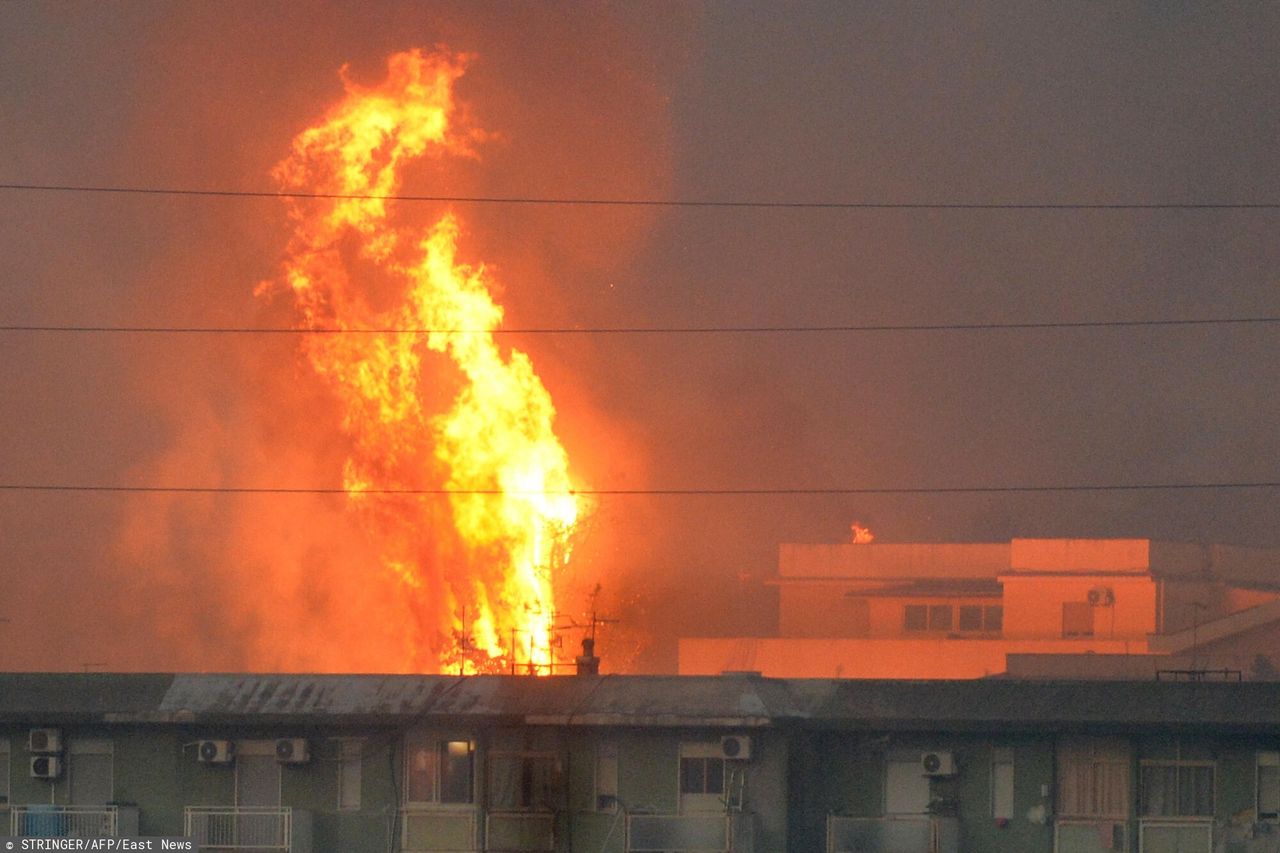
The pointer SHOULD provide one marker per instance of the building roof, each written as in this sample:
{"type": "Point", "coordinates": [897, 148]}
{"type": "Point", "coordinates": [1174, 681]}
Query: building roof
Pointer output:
{"type": "Point", "coordinates": [741, 700]}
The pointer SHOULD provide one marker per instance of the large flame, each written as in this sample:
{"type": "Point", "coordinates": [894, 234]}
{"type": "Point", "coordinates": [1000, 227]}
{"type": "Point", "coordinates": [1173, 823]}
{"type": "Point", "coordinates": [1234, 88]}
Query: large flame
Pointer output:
{"type": "Point", "coordinates": [479, 570]}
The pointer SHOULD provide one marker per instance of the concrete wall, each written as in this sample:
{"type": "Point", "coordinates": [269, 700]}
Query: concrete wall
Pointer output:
{"type": "Point", "coordinates": [1033, 605]}
{"type": "Point", "coordinates": [1080, 555]}
{"type": "Point", "coordinates": [894, 560]}
{"type": "Point", "coordinates": [837, 610]}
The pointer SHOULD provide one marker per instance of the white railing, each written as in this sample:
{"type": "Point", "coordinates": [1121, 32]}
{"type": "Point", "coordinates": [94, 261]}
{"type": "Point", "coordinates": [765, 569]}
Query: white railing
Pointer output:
{"type": "Point", "coordinates": [891, 834]}
{"type": "Point", "coordinates": [1186, 835]}
{"type": "Point", "coordinates": [678, 833]}
{"type": "Point", "coordinates": [517, 832]}
{"type": "Point", "coordinates": [47, 821]}
{"type": "Point", "coordinates": [1090, 835]}
{"type": "Point", "coordinates": [242, 828]}
{"type": "Point", "coordinates": [438, 830]}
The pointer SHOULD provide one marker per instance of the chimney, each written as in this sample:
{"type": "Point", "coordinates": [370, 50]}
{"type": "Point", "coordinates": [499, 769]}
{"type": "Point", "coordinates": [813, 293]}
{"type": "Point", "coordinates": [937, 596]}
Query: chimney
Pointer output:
{"type": "Point", "coordinates": [588, 663]}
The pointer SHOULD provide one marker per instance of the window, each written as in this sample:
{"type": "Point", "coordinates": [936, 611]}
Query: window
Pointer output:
{"type": "Point", "coordinates": [439, 771]}
{"type": "Point", "coordinates": [916, 617]}
{"type": "Point", "coordinates": [523, 781]}
{"type": "Point", "coordinates": [970, 618]}
{"type": "Point", "coordinates": [1093, 778]}
{"type": "Point", "coordinates": [1002, 783]}
{"type": "Point", "coordinates": [702, 775]}
{"type": "Point", "coordinates": [906, 788]}
{"type": "Point", "coordinates": [939, 617]}
{"type": "Point", "coordinates": [605, 795]}
{"type": "Point", "coordinates": [350, 773]}
{"type": "Point", "coordinates": [4, 772]}
{"type": "Point", "coordinates": [89, 771]}
{"type": "Point", "coordinates": [1268, 785]}
{"type": "Point", "coordinates": [1077, 619]}
{"type": "Point", "coordinates": [1177, 789]}
{"type": "Point", "coordinates": [993, 618]}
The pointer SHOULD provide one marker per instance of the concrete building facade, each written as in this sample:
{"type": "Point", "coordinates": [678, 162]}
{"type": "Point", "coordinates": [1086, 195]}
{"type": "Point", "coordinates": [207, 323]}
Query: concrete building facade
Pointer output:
{"type": "Point", "coordinates": [635, 764]}
{"type": "Point", "coordinates": [1065, 608]}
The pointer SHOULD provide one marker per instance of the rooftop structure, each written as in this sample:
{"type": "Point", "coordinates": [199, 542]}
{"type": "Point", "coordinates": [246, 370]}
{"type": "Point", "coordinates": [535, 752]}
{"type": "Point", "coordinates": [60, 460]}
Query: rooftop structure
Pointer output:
{"type": "Point", "coordinates": [1097, 608]}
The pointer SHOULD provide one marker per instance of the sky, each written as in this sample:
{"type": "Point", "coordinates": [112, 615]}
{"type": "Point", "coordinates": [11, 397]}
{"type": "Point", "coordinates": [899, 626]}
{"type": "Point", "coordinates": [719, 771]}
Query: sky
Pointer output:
{"type": "Point", "coordinates": [954, 103]}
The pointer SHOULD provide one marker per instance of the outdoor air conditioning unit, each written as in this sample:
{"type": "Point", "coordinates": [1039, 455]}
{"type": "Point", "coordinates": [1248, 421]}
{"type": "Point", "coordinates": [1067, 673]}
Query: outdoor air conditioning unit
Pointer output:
{"type": "Point", "coordinates": [938, 763]}
{"type": "Point", "coordinates": [292, 750]}
{"type": "Point", "coordinates": [46, 767]}
{"type": "Point", "coordinates": [736, 747]}
{"type": "Point", "coordinates": [215, 752]}
{"type": "Point", "coordinates": [44, 740]}
{"type": "Point", "coordinates": [1101, 596]}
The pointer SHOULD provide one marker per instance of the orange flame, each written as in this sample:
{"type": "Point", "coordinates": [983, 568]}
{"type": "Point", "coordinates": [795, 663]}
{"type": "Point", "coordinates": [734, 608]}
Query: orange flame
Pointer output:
{"type": "Point", "coordinates": [862, 535]}
{"type": "Point", "coordinates": [482, 572]}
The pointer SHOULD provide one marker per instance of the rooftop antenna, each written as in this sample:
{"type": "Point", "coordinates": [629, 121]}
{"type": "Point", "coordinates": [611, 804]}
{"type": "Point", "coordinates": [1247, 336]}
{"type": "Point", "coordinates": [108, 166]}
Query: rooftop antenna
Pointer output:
{"type": "Point", "coordinates": [588, 663]}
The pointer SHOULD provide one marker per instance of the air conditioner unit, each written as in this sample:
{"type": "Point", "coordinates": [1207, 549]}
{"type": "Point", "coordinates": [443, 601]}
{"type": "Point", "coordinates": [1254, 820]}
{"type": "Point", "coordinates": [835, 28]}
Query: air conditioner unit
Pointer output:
{"type": "Point", "coordinates": [46, 767]}
{"type": "Point", "coordinates": [736, 747]}
{"type": "Point", "coordinates": [44, 740]}
{"type": "Point", "coordinates": [938, 763]}
{"type": "Point", "coordinates": [215, 752]}
{"type": "Point", "coordinates": [292, 750]}
{"type": "Point", "coordinates": [1101, 596]}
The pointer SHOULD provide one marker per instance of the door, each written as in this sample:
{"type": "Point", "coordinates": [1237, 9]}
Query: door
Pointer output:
{"type": "Point", "coordinates": [258, 789]}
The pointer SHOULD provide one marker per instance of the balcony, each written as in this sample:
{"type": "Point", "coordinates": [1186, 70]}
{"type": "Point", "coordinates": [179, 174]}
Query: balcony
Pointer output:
{"type": "Point", "coordinates": [439, 830]}
{"type": "Point", "coordinates": [49, 821]}
{"type": "Point", "coordinates": [1090, 835]}
{"type": "Point", "coordinates": [711, 833]}
{"type": "Point", "coordinates": [518, 832]}
{"type": "Point", "coordinates": [893, 834]}
{"type": "Point", "coordinates": [1186, 835]}
{"type": "Point", "coordinates": [259, 829]}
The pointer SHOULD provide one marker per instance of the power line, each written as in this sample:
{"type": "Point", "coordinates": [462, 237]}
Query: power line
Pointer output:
{"type": "Point", "coordinates": [648, 202]}
{"type": "Point", "coordinates": [650, 330]}
{"type": "Point", "coordinates": [747, 492]}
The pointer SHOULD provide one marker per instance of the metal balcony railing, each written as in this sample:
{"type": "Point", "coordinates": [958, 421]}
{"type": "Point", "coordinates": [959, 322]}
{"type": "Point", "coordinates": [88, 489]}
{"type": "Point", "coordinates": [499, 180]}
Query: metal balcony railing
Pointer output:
{"type": "Point", "coordinates": [239, 828]}
{"type": "Point", "coordinates": [679, 833]}
{"type": "Point", "coordinates": [518, 832]}
{"type": "Point", "coordinates": [1090, 835]}
{"type": "Point", "coordinates": [1185, 835]}
{"type": "Point", "coordinates": [893, 834]}
{"type": "Point", "coordinates": [439, 830]}
{"type": "Point", "coordinates": [47, 821]}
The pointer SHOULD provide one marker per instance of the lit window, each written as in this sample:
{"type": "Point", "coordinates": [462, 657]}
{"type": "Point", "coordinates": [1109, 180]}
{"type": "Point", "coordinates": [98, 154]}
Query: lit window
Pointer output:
{"type": "Point", "coordinates": [916, 617]}
{"type": "Point", "coordinates": [439, 771]}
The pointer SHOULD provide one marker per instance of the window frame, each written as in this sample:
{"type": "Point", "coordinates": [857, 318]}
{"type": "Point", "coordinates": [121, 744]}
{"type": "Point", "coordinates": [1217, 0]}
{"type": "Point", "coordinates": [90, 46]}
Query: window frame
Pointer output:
{"type": "Point", "coordinates": [526, 759]}
{"type": "Point", "coordinates": [604, 752]}
{"type": "Point", "coordinates": [347, 745]}
{"type": "Point", "coordinates": [439, 744]}
{"type": "Point", "coordinates": [1003, 757]}
{"type": "Point", "coordinates": [1176, 765]}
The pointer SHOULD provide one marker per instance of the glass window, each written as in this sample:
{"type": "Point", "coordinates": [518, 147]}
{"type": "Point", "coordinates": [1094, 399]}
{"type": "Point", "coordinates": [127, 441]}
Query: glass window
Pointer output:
{"type": "Point", "coordinates": [350, 773]}
{"type": "Point", "coordinates": [606, 778]}
{"type": "Point", "coordinates": [970, 618]}
{"type": "Point", "coordinates": [939, 617]}
{"type": "Point", "coordinates": [439, 771]}
{"type": "Point", "coordinates": [916, 617]}
{"type": "Point", "coordinates": [1174, 789]}
{"type": "Point", "coordinates": [1077, 619]}
{"type": "Point", "coordinates": [702, 775]}
{"type": "Point", "coordinates": [521, 781]}
{"type": "Point", "coordinates": [1002, 783]}
{"type": "Point", "coordinates": [993, 618]}
{"type": "Point", "coordinates": [1093, 778]}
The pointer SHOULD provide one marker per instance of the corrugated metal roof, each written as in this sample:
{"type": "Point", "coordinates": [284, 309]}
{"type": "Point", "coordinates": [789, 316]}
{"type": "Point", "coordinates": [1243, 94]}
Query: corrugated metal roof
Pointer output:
{"type": "Point", "coordinates": [731, 700]}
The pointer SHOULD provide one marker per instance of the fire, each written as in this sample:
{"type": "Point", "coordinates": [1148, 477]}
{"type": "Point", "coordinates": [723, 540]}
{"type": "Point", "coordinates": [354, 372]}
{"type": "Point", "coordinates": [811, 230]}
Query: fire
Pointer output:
{"type": "Point", "coordinates": [862, 535]}
{"type": "Point", "coordinates": [481, 570]}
